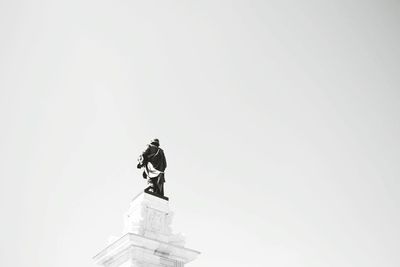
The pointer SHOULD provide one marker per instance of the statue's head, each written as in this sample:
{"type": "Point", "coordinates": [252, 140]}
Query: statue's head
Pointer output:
{"type": "Point", "coordinates": [155, 142]}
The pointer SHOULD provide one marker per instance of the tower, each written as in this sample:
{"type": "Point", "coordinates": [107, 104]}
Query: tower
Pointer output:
{"type": "Point", "coordinates": [147, 239]}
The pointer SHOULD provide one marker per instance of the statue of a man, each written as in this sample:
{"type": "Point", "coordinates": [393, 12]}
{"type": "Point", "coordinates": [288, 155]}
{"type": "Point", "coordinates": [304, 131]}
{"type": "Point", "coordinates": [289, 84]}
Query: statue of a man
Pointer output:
{"type": "Point", "coordinates": [153, 161]}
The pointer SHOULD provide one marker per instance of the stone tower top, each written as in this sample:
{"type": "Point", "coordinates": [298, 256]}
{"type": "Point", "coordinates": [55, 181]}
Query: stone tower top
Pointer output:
{"type": "Point", "coordinates": [147, 239]}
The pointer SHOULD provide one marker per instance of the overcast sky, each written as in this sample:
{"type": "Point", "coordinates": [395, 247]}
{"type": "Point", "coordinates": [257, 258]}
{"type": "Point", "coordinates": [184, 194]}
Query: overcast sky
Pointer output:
{"type": "Point", "coordinates": [280, 121]}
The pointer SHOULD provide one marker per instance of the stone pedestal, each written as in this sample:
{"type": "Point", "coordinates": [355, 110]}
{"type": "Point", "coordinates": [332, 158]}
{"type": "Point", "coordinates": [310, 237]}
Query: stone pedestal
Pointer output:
{"type": "Point", "coordinates": [147, 239]}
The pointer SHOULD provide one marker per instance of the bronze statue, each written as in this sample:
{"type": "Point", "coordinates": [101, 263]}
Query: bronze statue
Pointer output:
{"type": "Point", "coordinates": [153, 161]}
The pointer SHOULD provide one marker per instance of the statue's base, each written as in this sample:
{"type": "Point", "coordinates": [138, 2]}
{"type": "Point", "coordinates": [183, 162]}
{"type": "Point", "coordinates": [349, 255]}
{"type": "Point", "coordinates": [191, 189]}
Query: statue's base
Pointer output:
{"type": "Point", "coordinates": [148, 191]}
{"type": "Point", "coordinates": [137, 251]}
{"type": "Point", "coordinates": [147, 240]}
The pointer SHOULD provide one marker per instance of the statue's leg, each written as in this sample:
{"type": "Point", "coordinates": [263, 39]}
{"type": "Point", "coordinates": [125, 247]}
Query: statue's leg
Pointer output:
{"type": "Point", "coordinates": [161, 180]}
{"type": "Point", "coordinates": [161, 188]}
{"type": "Point", "coordinates": [155, 185]}
{"type": "Point", "coordinates": [160, 184]}
{"type": "Point", "coordinates": [150, 183]}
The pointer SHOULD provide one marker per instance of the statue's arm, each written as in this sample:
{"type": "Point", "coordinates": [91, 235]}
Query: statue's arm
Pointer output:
{"type": "Point", "coordinates": [146, 153]}
{"type": "Point", "coordinates": [143, 157]}
{"type": "Point", "coordinates": [140, 162]}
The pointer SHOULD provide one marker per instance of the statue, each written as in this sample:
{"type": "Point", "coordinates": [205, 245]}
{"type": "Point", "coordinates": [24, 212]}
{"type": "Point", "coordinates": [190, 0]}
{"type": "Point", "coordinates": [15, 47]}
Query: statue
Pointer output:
{"type": "Point", "coordinates": [153, 161]}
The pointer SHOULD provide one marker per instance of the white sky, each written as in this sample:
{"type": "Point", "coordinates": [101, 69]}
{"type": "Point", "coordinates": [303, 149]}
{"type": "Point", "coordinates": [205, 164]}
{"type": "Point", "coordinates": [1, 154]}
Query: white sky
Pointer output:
{"type": "Point", "coordinates": [279, 120]}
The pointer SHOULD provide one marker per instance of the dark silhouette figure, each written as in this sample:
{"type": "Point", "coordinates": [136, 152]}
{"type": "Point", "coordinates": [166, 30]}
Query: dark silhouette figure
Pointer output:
{"type": "Point", "coordinates": [153, 161]}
